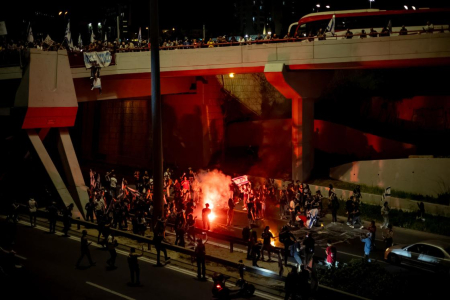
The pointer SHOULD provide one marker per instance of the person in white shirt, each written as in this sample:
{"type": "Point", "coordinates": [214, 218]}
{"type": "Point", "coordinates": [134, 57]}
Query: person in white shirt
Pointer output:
{"type": "Point", "coordinates": [113, 185]}
{"type": "Point", "coordinates": [32, 208]}
{"type": "Point", "coordinates": [429, 27]}
{"type": "Point", "coordinates": [99, 208]}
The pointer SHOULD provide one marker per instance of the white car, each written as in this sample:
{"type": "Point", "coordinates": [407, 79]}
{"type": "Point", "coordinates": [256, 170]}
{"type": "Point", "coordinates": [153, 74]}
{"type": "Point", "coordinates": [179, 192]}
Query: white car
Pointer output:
{"type": "Point", "coordinates": [433, 255]}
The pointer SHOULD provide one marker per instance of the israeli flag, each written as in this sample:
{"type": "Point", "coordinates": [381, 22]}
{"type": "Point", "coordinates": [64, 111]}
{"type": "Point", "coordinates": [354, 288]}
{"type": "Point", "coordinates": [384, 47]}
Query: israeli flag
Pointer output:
{"type": "Point", "coordinates": [68, 36]}
{"type": "Point", "coordinates": [139, 36]}
{"type": "Point", "coordinates": [331, 25]}
{"type": "Point", "coordinates": [80, 41]}
{"type": "Point", "coordinates": [387, 193]}
{"type": "Point", "coordinates": [30, 38]}
{"type": "Point", "coordinates": [92, 36]}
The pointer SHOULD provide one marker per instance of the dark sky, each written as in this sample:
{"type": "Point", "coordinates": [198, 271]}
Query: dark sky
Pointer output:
{"type": "Point", "coordinates": [216, 15]}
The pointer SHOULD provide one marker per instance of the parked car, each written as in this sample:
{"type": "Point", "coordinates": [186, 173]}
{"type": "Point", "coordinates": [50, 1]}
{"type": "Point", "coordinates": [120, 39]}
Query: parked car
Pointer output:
{"type": "Point", "coordinates": [433, 255]}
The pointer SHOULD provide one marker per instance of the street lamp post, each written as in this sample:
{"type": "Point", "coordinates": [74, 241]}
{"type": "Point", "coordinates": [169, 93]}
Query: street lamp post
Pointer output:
{"type": "Point", "coordinates": [157, 153]}
{"type": "Point", "coordinates": [370, 3]}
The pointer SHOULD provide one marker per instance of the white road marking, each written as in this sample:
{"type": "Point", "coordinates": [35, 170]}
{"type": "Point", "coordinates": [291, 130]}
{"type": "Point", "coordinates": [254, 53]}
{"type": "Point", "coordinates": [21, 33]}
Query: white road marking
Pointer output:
{"type": "Point", "coordinates": [109, 291]}
{"type": "Point", "coordinates": [21, 257]}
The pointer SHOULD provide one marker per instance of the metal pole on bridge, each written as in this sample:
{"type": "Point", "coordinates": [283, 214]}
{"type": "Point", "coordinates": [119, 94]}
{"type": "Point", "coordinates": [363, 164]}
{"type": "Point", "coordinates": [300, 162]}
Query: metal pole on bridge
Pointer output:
{"type": "Point", "coordinates": [157, 153]}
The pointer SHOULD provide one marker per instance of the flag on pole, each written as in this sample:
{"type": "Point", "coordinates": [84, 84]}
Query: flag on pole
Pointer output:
{"type": "Point", "coordinates": [139, 36]}
{"type": "Point", "coordinates": [68, 36]}
{"type": "Point", "coordinates": [390, 26]}
{"type": "Point", "coordinates": [331, 25]}
{"type": "Point", "coordinates": [92, 36]}
{"type": "Point", "coordinates": [30, 38]}
{"type": "Point", "coordinates": [3, 30]}
{"type": "Point", "coordinates": [48, 40]}
{"type": "Point", "coordinates": [80, 41]}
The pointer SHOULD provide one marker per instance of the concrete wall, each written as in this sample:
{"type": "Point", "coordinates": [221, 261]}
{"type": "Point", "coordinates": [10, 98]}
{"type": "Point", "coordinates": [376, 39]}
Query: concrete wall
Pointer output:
{"type": "Point", "coordinates": [371, 52]}
{"type": "Point", "coordinates": [425, 176]}
{"type": "Point", "coordinates": [397, 203]}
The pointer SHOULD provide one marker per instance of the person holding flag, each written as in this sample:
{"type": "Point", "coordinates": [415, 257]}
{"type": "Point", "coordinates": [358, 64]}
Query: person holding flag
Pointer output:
{"type": "Point", "coordinates": [68, 36]}
{"type": "Point", "coordinates": [331, 25]}
{"type": "Point", "coordinates": [139, 37]}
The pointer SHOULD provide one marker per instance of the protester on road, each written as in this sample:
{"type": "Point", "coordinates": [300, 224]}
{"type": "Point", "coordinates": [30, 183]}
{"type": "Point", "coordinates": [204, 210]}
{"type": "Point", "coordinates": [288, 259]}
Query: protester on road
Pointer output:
{"type": "Point", "coordinates": [67, 218]}
{"type": "Point", "coordinates": [158, 238]}
{"type": "Point", "coordinates": [334, 205]}
{"type": "Point", "coordinates": [385, 214]}
{"type": "Point", "coordinates": [200, 253]}
{"type": "Point", "coordinates": [52, 216]}
{"type": "Point", "coordinates": [267, 237]}
{"type": "Point", "coordinates": [89, 207]}
{"type": "Point", "coordinates": [85, 249]}
{"type": "Point", "coordinates": [133, 264]}
{"type": "Point", "coordinates": [373, 230]}
{"type": "Point", "coordinates": [32, 208]}
{"type": "Point", "coordinates": [291, 284]}
{"type": "Point", "coordinates": [388, 236]}
{"type": "Point", "coordinates": [288, 239]}
{"type": "Point", "coordinates": [309, 243]}
{"type": "Point", "coordinates": [111, 246]}
{"type": "Point", "coordinates": [230, 212]}
{"type": "Point", "coordinates": [331, 253]}
{"type": "Point", "coordinates": [367, 240]}
{"type": "Point", "coordinates": [205, 217]}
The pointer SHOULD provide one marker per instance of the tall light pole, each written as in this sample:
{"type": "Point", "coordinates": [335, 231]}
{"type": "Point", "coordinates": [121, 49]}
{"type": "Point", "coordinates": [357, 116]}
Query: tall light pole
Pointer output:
{"type": "Point", "coordinates": [370, 3]}
{"type": "Point", "coordinates": [157, 153]}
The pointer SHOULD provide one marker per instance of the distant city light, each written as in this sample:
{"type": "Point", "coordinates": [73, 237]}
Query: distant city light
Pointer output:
{"type": "Point", "coordinates": [99, 24]}
{"type": "Point", "coordinates": [327, 6]}
{"type": "Point", "coordinates": [231, 75]}
{"type": "Point", "coordinates": [413, 7]}
{"type": "Point", "coordinates": [146, 28]}
{"type": "Point", "coordinates": [318, 5]}
{"type": "Point", "coordinates": [173, 28]}
{"type": "Point", "coordinates": [66, 13]}
{"type": "Point", "coordinates": [269, 33]}
{"type": "Point", "coordinates": [405, 6]}
{"type": "Point", "coordinates": [60, 13]}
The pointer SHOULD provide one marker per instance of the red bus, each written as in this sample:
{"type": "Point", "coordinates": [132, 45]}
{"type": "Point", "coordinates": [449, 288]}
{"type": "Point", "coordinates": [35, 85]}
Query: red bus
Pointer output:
{"type": "Point", "coordinates": [357, 20]}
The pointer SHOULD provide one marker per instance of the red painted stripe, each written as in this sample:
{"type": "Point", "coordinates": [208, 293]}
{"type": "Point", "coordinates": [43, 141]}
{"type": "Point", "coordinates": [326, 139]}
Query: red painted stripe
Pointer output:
{"type": "Point", "coordinates": [304, 20]}
{"type": "Point", "coordinates": [219, 71]}
{"type": "Point", "coordinates": [48, 117]}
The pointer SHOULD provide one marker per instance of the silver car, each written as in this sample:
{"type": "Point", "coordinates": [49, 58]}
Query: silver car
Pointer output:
{"type": "Point", "coordinates": [433, 255]}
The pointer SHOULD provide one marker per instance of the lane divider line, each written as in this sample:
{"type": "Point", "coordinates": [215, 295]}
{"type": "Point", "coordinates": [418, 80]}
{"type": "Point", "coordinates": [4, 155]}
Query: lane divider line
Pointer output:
{"type": "Point", "coordinates": [109, 291]}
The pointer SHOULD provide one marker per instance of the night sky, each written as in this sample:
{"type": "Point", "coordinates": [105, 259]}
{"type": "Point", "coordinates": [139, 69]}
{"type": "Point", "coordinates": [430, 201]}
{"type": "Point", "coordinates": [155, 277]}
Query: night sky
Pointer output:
{"type": "Point", "coordinates": [216, 15]}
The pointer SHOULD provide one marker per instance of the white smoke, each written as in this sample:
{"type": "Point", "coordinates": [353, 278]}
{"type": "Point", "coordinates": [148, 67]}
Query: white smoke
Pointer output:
{"type": "Point", "coordinates": [215, 188]}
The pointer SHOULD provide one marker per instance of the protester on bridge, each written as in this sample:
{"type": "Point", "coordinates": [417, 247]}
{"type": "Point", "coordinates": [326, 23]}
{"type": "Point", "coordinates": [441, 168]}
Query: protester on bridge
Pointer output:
{"type": "Point", "coordinates": [310, 37]}
{"type": "Point", "coordinates": [385, 32]}
{"type": "Point", "coordinates": [99, 208]}
{"type": "Point", "coordinates": [388, 236]}
{"type": "Point", "coordinates": [367, 240]}
{"type": "Point", "coordinates": [133, 264]}
{"type": "Point", "coordinates": [321, 35]}
{"type": "Point", "coordinates": [363, 34]}
{"type": "Point", "coordinates": [111, 246]}
{"type": "Point", "coordinates": [385, 214]}
{"type": "Point", "coordinates": [67, 217]}
{"type": "Point", "coordinates": [348, 34]}
{"type": "Point", "coordinates": [190, 227]}
{"type": "Point", "coordinates": [403, 31]}
{"type": "Point", "coordinates": [32, 209]}
{"type": "Point", "coordinates": [52, 216]}
{"type": "Point", "coordinates": [373, 33]}
{"type": "Point", "coordinates": [429, 28]}
{"type": "Point", "coordinates": [85, 250]}
{"type": "Point", "coordinates": [331, 253]}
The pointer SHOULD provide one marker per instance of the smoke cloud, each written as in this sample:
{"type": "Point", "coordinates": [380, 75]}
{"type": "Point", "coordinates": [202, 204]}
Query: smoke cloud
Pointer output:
{"type": "Point", "coordinates": [215, 188]}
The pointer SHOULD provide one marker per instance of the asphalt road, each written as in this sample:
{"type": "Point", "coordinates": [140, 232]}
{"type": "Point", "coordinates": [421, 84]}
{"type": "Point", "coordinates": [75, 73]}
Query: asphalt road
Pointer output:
{"type": "Point", "coordinates": [49, 273]}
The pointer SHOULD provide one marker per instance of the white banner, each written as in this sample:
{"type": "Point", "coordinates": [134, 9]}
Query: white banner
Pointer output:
{"type": "Point", "coordinates": [241, 180]}
{"type": "Point", "coordinates": [103, 59]}
{"type": "Point", "coordinates": [3, 28]}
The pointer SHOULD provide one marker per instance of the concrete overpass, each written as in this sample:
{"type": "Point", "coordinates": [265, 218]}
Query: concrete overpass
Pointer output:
{"type": "Point", "coordinates": [50, 88]}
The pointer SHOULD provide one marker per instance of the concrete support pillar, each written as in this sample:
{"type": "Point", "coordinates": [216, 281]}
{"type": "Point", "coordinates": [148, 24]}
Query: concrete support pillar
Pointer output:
{"type": "Point", "coordinates": [76, 184]}
{"type": "Point", "coordinates": [302, 138]}
{"type": "Point", "coordinates": [302, 122]}
{"type": "Point", "coordinates": [52, 171]}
